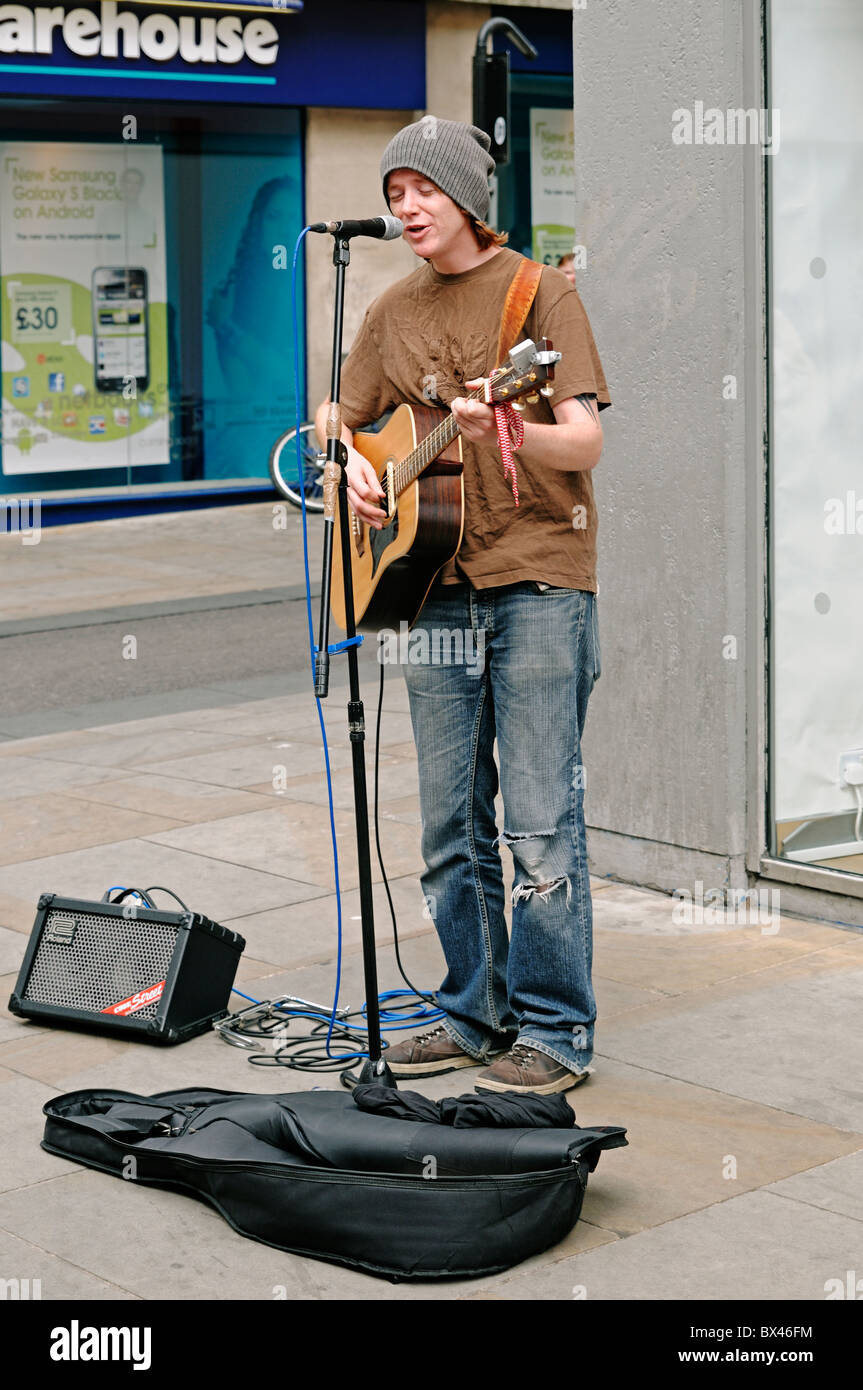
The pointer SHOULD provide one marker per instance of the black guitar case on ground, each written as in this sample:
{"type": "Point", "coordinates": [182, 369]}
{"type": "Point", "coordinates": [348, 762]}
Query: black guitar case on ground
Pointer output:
{"type": "Point", "coordinates": [313, 1174]}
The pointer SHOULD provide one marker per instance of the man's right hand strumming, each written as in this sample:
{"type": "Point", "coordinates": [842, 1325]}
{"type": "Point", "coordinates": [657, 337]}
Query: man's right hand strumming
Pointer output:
{"type": "Point", "coordinates": [364, 490]}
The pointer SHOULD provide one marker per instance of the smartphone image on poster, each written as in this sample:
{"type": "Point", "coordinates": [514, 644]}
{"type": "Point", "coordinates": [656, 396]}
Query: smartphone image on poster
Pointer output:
{"type": "Point", "coordinates": [120, 341]}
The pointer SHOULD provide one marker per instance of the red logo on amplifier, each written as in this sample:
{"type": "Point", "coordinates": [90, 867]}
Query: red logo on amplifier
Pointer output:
{"type": "Point", "coordinates": [136, 1001]}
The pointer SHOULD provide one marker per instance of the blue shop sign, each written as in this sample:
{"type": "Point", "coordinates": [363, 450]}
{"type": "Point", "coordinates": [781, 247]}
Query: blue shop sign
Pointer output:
{"type": "Point", "coordinates": [336, 53]}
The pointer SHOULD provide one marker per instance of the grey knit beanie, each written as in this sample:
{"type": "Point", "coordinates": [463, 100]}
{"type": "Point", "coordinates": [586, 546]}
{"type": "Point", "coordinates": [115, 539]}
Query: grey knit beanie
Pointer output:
{"type": "Point", "coordinates": [452, 154]}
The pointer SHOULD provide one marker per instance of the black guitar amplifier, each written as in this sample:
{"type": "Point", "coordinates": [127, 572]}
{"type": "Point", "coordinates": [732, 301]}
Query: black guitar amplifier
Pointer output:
{"type": "Point", "coordinates": [126, 969]}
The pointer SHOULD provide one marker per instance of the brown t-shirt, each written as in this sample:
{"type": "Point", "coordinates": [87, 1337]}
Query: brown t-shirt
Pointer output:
{"type": "Point", "coordinates": [419, 342]}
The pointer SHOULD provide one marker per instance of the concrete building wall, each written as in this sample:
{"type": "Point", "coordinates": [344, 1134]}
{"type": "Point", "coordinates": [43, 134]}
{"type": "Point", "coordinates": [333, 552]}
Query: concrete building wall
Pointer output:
{"type": "Point", "coordinates": [451, 29]}
{"type": "Point", "coordinates": [667, 231]}
{"type": "Point", "coordinates": [343, 151]}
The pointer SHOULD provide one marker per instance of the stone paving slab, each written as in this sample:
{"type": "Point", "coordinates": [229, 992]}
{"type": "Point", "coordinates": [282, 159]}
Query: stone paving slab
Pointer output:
{"type": "Point", "coordinates": [183, 801]}
{"type": "Point", "coordinates": [42, 1275]}
{"type": "Point", "coordinates": [10, 1025]}
{"type": "Point", "coordinates": [245, 719]}
{"type": "Point", "coordinates": [168, 1240]}
{"type": "Point", "coordinates": [32, 826]}
{"type": "Point", "coordinates": [299, 722]}
{"type": "Point", "coordinates": [302, 933]}
{"type": "Point", "coordinates": [787, 1037]}
{"type": "Point", "coordinates": [24, 776]}
{"type": "Point", "coordinates": [140, 750]}
{"type": "Point", "coordinates": [216, 888]}
{"type": "Point", "coordinates": [397, 782]}
{"type": "Point", "coordinates": [673, 964]}
{"type": "Point", "coordinates": [404, 809]}
{"type": "Point", "coordinates": [147, 1067]}
{"type": "Point", "coordinates": [23, 1162]}
{"type": "Point", "coordinates": [52, 1054]}
{"type": "Point", "coordinates": [293, 838]}
{"type": "Point", "coordinates": [756, 1246]}
{"type": "Point", "coordinates": [836, 1186]}
{"type": "Point", "coordinates": [246, 764]}
{"type": "Point", "coordinates": [274, 714]}
{"type": "Point", "coordinates": [11, 949]}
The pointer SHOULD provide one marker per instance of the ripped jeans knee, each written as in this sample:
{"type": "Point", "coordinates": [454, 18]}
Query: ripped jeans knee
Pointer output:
{"type": "Point", "coordinates": [534, 854]}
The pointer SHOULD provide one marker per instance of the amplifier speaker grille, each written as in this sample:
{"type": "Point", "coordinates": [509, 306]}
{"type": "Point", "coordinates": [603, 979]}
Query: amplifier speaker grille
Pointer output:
{"type": "Point", "coordinates": [87, 972]}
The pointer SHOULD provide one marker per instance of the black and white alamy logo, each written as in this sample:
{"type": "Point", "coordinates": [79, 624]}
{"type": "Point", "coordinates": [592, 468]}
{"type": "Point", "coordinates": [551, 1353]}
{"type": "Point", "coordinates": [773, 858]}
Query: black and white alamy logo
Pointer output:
{"type": "Point", "coordinates": [77, 1343]}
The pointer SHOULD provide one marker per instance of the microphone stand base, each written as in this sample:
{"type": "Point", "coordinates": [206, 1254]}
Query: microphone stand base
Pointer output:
{"type": "Point", "coordinates": [370, 1074]}
{"type": "Point", "coordinates": [376, 1074]}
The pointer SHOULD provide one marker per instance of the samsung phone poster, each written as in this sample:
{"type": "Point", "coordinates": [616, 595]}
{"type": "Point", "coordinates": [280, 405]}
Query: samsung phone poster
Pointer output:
{"type": "Point", "coordinates": [83, 316]}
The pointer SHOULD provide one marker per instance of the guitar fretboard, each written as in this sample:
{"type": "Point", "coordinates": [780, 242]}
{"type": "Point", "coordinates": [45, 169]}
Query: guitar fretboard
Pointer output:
{"type": "Point", "coordinates": [410, 467]}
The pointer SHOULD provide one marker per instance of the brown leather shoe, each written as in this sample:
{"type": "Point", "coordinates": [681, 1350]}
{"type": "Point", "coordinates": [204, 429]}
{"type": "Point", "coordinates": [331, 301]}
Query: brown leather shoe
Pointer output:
{"type": "Point", "coordinates": [523, 1069]}
{"type": "Point", "coordinates": [428, 1054]}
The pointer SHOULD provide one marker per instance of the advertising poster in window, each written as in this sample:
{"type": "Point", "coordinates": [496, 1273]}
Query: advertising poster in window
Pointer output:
{"type": "Point", "coordinates": [247, 338]}
{"type": "Point", "coordinates": [82, 307]}
{"type": "Point", "coordinates": [552, 183]}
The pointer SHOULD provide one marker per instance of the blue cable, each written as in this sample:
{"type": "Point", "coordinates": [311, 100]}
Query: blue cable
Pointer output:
{"type": "Point", "coordinates": [391, 1019]}
{"type": "Point", "coordinates": [423, 1012]}
{"type": "Point", "coordinates": [302, 488]}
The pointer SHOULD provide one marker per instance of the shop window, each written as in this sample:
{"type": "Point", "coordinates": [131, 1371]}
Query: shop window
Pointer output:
{"type": "Point", "coordinates": [533, 206]}
{"type": "Point", "coordinates": [816, 503]}
{"type": "Point", "coordinates": [145, 287]}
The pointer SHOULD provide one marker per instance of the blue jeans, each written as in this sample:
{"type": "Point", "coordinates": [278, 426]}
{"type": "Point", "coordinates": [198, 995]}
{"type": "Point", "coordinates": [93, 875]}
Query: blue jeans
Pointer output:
{"type": "Point", "coordinates": [518, 664]}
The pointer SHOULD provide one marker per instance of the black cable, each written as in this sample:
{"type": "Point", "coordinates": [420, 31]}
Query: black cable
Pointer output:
{"type": "Point", "coordinates": [145, 894]}
{"type": "Point", "coordinates": [267, 1023]}
{"type": "Point", "coordinates": [429, 998]}
{"type": "Point", "coordinates": [157, 889]}
{"type": "Point", "coordinates": [303, 1052]}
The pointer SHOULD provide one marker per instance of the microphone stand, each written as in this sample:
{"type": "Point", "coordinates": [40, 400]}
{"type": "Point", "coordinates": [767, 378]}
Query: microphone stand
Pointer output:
{"type": "Point", "coordinates": [375, 1069]}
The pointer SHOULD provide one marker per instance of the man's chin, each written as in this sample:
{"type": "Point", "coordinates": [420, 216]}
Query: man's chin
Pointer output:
{"type": "Point", "coordinates": [421, 246]}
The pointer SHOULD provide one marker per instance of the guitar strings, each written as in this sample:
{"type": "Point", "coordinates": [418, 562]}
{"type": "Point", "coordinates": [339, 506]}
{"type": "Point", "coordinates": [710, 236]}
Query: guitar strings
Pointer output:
{"type": "Point", "coordinates": [413, 463]}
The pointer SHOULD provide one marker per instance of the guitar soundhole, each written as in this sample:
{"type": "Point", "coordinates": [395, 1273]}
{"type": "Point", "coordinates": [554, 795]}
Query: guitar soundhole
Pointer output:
{"type": "Point", "coordinates": [379, 540]}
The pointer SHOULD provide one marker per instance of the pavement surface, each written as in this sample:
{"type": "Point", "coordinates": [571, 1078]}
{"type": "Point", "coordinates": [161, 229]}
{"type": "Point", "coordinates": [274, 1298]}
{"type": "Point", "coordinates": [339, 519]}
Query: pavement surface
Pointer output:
{"type": "Point", "coordinates": [731, 1052]}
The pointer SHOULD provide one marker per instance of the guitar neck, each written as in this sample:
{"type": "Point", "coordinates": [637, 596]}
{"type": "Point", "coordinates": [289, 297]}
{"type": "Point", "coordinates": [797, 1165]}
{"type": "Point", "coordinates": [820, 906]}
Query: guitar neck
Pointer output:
{"type": "Point", "coordinates": [410, 467]}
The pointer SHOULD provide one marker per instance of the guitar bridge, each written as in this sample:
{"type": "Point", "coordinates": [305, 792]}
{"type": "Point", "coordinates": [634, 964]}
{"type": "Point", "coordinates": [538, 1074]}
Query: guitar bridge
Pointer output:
{"type": "Point", "coordinates": [357, 532]}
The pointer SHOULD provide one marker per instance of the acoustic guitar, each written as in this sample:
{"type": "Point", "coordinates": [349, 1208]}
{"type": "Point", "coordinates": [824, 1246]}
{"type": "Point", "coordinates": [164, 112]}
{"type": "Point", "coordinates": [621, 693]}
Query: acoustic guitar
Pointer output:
{"type": "Point", "coordinates": [418, 460]}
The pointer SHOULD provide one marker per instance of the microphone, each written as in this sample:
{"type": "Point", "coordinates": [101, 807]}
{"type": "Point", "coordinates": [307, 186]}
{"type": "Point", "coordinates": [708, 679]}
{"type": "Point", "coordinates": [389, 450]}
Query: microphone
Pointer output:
{"type": "Point", "coordinates": [384, 228]}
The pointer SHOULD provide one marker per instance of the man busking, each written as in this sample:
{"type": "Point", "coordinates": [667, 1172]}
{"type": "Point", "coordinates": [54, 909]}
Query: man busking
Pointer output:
{"type": "Point", "coordinates": [523, 584]}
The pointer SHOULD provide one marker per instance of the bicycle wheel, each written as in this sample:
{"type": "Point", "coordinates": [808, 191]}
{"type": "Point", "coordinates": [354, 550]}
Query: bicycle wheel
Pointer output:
{"type": "Point", "coordinates": [284, 473]}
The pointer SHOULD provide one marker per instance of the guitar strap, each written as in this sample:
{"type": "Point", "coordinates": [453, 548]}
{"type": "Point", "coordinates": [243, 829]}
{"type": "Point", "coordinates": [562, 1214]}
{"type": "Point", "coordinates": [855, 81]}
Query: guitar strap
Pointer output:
{"type": "Point", "coordinates": [520, 296]}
